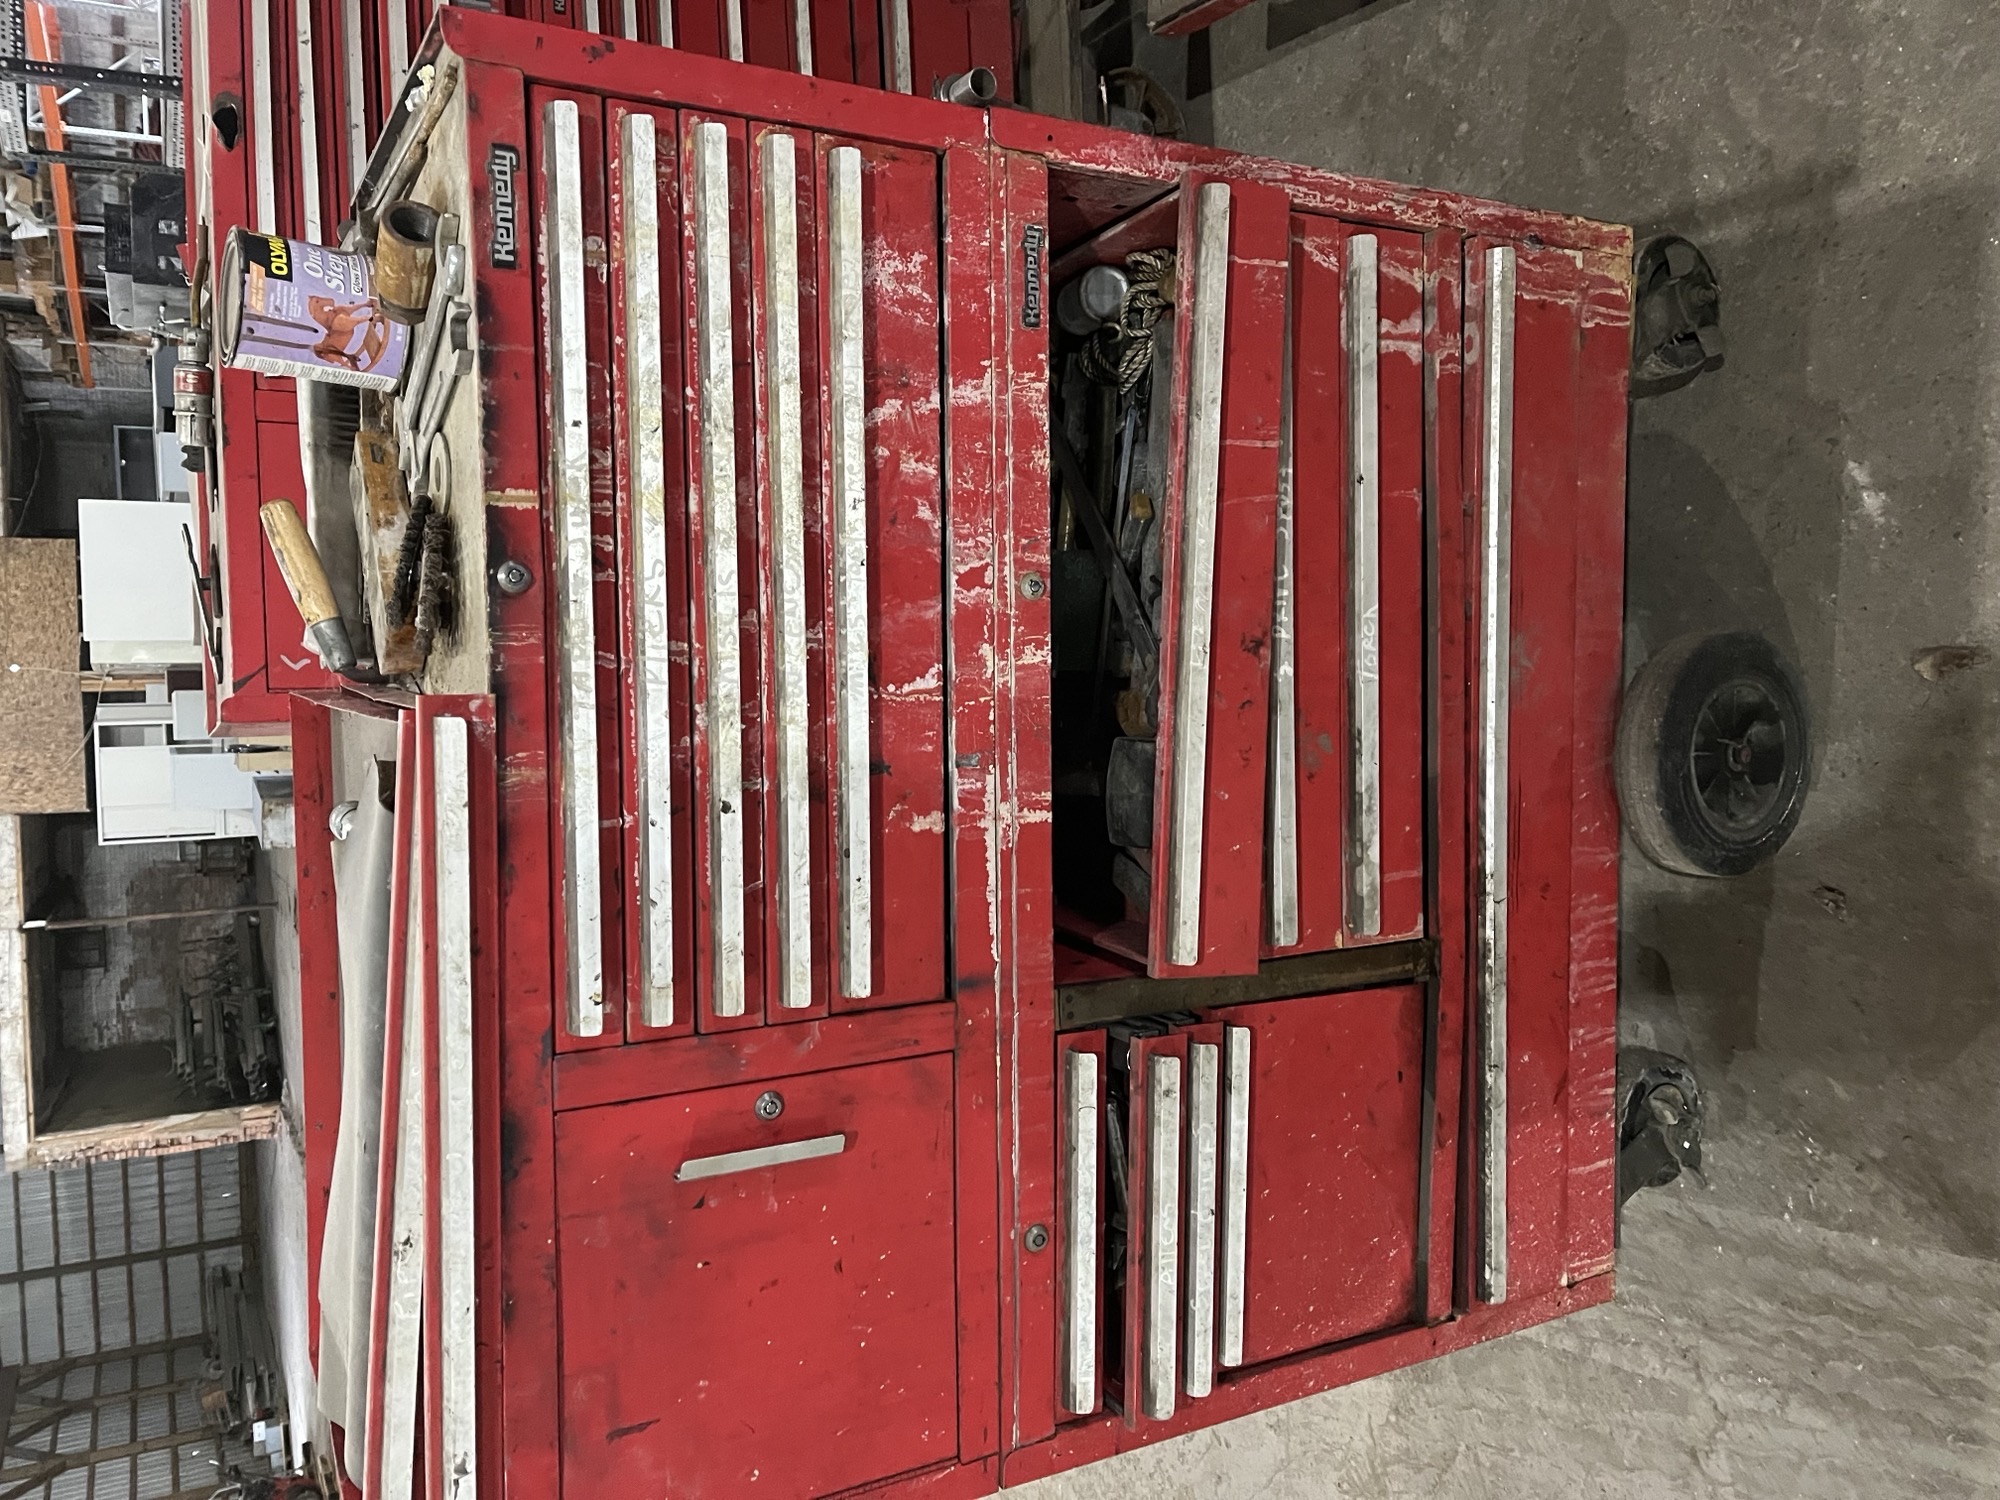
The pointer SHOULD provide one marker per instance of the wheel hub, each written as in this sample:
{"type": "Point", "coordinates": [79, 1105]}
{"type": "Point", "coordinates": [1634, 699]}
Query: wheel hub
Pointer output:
{"type": "Point", "coordinates": [1737, 756]}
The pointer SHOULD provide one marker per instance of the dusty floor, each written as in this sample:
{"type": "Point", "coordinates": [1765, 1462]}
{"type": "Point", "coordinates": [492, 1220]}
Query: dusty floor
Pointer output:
{"type": "Point", "coordinates": [1823, 1318]}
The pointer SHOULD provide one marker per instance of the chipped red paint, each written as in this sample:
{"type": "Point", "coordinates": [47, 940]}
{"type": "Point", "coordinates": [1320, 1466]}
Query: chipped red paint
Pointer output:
{"type": "Point", "coordinates": [949, 1074]}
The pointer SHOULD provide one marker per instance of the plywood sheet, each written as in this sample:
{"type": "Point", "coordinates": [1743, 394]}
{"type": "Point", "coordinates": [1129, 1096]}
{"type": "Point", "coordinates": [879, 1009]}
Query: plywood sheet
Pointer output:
{"type": "Point", "coordinates": [42, 752]}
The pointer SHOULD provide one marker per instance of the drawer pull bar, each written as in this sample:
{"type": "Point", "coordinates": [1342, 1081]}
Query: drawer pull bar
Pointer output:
{"type": "Point", "coordinates": [695, 1168]}
{"type": "Point", "coordinates": [717, 365]}
{"type": "Point", "coordinates": [1283, 812]}
{"type": "Point", "coordinates": [1496, 498]}
{"type": "Point", "coordinates": [785, 440]}
{"type": "Point", "coordinates": [1364, 585]}
{"type": "Point", "coordinates": [1198, 1355]}
{"type": "Point", "coordinates": [458, 1236]}
{"type": "Point", "coordinates": [577, 644]}
{"type": "Point", "coordinates": [802, 34]}
{"type": "Point", "coordinates": [1197, 569]}
{"type": "Point", "coordinates": [896, 18]}
{"type": "Point", "coordinates": [646, 443]}
{"type": "Point", "coordinates": [1080, 1150]}
{"type": "Point", "coordinates": [308, 125]}
{"type": "Point", "coordinates": [1235, 1188]}
{"type": "Point", "coordinates": [732, 14]}
{"type": "Point", "coordinates": [666, 19]}
{"type": "Point", "coordinates": [850, 576]}
{"type": "Point", "coordinates": [1163, 1184]}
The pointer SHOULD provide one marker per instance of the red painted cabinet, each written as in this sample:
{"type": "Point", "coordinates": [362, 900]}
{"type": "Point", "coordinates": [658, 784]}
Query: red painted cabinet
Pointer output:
{"type": "Point", "coordinates": [851, 1128]}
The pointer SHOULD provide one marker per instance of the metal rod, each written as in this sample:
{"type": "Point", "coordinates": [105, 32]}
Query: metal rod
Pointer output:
{"type": "Point", "coordinates": [645, 415]}
{"type": "Point", "coordinates": [717, 374]}
{"type": "Point", "coordinates": [1495, 663]}
{"type": "Point", "coordinates": [575, 575]}
{"type": "Point", "coordinates": [159, 85]}
{"type": "Point", "coordinates": [1080, 1150]}
{"type": "Point", "coordinates": [850, 575]}
{"type": "Point", "coordinates": [1199, 489]}
{"type": "Point", "coordinates": [785, 429]}
{"type": "Point", "coordinates": [70, 924]}
{"type": "Point", "coordinates": [91, 162]}
{"type": "Point", "coordinates": [1364, 507]}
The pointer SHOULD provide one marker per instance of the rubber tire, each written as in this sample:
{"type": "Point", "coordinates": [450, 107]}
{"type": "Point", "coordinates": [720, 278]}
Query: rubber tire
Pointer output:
{"type": "Point", "coordinates": [1655, 728]}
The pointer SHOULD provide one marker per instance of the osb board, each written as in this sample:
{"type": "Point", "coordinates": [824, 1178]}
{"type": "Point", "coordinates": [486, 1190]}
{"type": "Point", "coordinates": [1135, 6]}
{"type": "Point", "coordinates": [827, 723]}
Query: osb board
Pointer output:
{"type": "Point", "coordinates": [42, 753]}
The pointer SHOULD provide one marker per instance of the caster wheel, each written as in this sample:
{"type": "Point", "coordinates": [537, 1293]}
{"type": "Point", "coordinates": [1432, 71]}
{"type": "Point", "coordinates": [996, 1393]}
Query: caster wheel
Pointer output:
{"type": "Point", "coordinates": [1714, 754]}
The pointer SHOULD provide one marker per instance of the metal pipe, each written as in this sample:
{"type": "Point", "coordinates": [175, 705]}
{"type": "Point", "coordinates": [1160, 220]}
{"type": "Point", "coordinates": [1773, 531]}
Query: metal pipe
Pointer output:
{"type": "Point", "coordinates": [976, 86]}
{"type": "Point", "coordinates": [72, 924]}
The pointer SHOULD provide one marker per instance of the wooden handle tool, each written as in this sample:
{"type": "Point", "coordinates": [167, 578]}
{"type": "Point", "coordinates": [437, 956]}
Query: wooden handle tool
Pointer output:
{"type": "Point", "coordinates": [305, 578]}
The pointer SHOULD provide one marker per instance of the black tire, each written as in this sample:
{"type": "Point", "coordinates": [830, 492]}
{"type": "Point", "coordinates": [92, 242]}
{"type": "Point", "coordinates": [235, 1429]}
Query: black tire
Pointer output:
{"type": "Point", "coordinates": [1714, 754]}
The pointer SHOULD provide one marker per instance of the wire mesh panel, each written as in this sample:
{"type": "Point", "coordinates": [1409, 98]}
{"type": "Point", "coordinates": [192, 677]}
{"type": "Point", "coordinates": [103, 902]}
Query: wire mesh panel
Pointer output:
{"type": "Point", "coordinates": [103, 1268]}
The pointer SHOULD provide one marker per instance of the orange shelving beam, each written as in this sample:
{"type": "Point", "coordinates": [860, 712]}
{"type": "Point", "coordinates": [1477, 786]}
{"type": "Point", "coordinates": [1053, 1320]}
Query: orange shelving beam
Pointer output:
{"type": "Point", "coordinates": [45, 45]}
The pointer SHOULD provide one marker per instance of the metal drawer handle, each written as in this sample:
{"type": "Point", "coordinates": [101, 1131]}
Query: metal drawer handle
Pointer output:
{"type": "Point", "coordinates": [576, 639]}
{"type": "Point", "coordinates": [1496, 503]}
{"type": "Point", "coordinates": [1203, 1100]}
{"type": "Point", "coordinates": [458, 1235]}
{"type": "Point", "coordinates": [850, 574]}
{"type": "Point", "coordinates": [717, 363]}
{"type": "Point", "coordinates": [1080, 1233]}
{"type": "Point", "coordinates": [1197, 568]}
{"type": "Point", "coordinates": [1283, 810]}
{"type": "Point", "coordinates": [1235, 1207]}
{"type": "Point", "coordinates": [695, 1168]}
{"type": "Point", "coordinates": [645, 416]}
{"type": "Point", "coordinates": [785, 443]}
{"type": "Point", "coordinates": [1162, 1263]}
{"type": "Point", "coordinates": [1364, 563]}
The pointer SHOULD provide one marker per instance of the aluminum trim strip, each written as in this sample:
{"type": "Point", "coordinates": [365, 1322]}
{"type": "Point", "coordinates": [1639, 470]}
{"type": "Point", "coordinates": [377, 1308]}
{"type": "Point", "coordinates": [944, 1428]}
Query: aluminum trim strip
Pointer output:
{"type": "Point", "coordinates": [583, 906]}
{"type": "Point", "coordinates": [593, 19]}
{"type": "Point", "coordinates": [308, 124]}
{"type": "Point", "coordinates": [1198, 1323]}
{"type": "Point", "coordinates": [1283, 809]}
{"type": "Point", "coordinates": [352, 112]}
{"type": "Point", "coordinates": [896, 26]}
{"type": "Point", "coordinates": [697, 1168]}
{"type": "Point", "coordinates": [404, 1275]}
{"type": "Point", "coordinates": [1364, 586]}
{"type": "Point", "coordinates": [1189, 794]}
{"type": "Point", "coordinates": [784, 436]}
{"type": "Point", "coordinates": [717, 376]}
{"type": "Point", "coordinates": [263, 139]}
{"type": "Point", "coordinates": [1235, 1206]}
{"type": "Point", "coordinates": [459, 1230]}
{"type": "Point", "coordinates": [1495, 664]}
{"type": "Point", "coordinates": [666, 20]}
{"type": "Point", "coordinates": [1080, 1153]}
{"type": "Point", "coordinates": [646, 443]}
{"type": "Point", "coordinates": [850, 575]}
{"type": "Point", "coordinates": [1163, 1191]}
{"type": "Point", "coordinates": [628, 19]}
{"type": "Point", "coordinates": [802, 34]}
{"type": "Point", "coordinates": [732, 13]}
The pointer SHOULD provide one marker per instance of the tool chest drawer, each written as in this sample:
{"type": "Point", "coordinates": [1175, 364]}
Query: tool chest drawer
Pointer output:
{"type": "Point", "coordinates": [745, 530]}
{"type": "Point", "coordinates": [758, 1286]}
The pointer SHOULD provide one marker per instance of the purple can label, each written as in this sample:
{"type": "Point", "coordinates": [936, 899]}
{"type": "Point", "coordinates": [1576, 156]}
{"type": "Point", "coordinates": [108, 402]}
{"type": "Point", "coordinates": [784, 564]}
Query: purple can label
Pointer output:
{"type": "Point", "coordinates": [310, 312]}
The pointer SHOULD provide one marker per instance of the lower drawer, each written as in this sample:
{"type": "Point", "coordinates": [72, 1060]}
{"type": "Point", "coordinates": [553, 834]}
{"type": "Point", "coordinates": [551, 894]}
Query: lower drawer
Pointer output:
{"type": "Point", "coordinates": [758, 1286]}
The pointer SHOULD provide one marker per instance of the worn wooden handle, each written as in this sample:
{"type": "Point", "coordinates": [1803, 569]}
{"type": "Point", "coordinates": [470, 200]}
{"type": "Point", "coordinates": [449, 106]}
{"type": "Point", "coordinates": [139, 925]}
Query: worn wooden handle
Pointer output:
{"type": "Point", "coordinates": [299, 561]}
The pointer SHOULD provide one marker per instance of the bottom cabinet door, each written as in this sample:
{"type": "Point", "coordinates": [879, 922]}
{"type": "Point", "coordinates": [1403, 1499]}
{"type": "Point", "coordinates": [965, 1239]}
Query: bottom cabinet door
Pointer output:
{"type": "Point", "coordinates": [1336, 1156]}
{"type": "Point", "coordinates": [758, 1287]}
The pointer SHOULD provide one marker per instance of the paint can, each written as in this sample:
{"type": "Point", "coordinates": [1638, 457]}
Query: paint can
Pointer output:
{"type": "Point", "coordinates": [289, 308]}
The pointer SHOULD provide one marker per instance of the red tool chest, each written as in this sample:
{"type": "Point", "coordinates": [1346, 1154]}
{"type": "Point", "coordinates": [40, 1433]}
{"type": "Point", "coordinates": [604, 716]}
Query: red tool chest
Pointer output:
{"type": "Point", "coordinates": [822, 1144]}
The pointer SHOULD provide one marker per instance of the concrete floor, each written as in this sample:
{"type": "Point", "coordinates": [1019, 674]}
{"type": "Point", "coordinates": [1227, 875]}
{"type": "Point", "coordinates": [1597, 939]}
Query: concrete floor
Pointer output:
{"type": "Point", "coordinates": [1822, 1318]}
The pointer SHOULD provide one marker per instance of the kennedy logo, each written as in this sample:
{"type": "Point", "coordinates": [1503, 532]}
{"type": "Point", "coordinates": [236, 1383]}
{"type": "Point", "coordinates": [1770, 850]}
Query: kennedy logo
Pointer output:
{"type": "Point", "coordinates": [1031, 268]}
{"type": "Point", "coordinates": [504, 250]}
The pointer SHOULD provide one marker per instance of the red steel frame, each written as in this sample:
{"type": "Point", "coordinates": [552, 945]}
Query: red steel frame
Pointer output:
{"type": "Point", "coordinates": [997, 175]}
